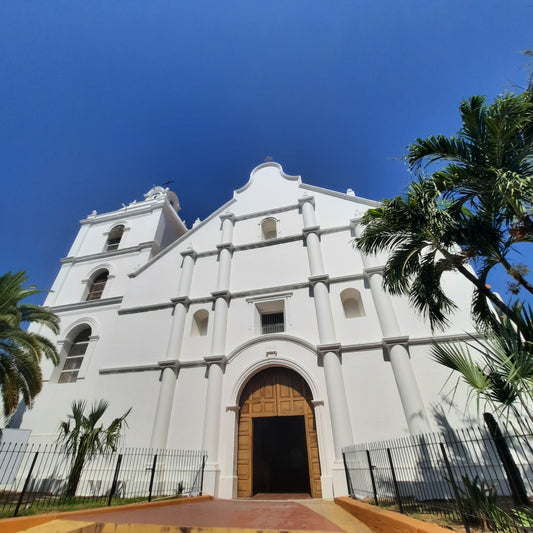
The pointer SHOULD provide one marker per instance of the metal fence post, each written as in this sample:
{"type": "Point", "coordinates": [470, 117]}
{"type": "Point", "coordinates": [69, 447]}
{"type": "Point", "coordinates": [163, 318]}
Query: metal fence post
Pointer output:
{"type": "Point", "coordinates": [152, 475]}
{"type": "Point", "coordinates": [202, 475]}
{"type": "Point", "coordinates": [115, 480]}
{"type": "Point", "coordinates": [454, 487]}
{"type": "Point", "coordinates": [396, 490]}
{"type": "Point", "coordinates": [26, 483]}
{"type": "Point", "coordinates": [511, 470]}
{"type": "Point", "coordinates": [371, 469]}
{"type": "Point", "coordinates": [348, 477]}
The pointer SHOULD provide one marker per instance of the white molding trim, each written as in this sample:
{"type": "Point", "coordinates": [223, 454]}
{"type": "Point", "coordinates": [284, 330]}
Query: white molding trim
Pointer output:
{"type": "Point", "coordinates": [112, 253]}
{"type": "Point", "coordinates": [102, 266]}
{"type": "Point", "coordinates": [268, 293]}
{"type": "Point", "coordinates": [272, 337]}
{"type": "Point", "coordinates": [121, 222]}
{"type": "Point", "coordinates": [103, 302]}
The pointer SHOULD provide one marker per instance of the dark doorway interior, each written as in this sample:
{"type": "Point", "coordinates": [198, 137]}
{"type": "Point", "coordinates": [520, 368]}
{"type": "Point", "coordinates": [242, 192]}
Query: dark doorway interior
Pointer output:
{"type": "Point", "coordinates": [280, 455]}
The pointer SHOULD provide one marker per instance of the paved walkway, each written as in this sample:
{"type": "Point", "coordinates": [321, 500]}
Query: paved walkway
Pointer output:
{"type": "Point", "coordinates": [306, 515]}
{"type": "Point", "coordinates": [336, 514]}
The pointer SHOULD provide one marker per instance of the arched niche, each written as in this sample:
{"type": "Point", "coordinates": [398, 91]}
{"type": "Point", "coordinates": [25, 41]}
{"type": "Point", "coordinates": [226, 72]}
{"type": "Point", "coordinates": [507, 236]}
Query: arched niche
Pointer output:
{"type": "Point", "coordinates": [200, 321]}
{"type": "Point", "coordinates": [269, 229]}
{"type": "Point", "coordinates": [352, 303]}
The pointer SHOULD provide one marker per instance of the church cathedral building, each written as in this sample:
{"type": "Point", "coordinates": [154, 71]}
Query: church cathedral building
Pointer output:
{"type": "Point", "coordinates": [260, 335]}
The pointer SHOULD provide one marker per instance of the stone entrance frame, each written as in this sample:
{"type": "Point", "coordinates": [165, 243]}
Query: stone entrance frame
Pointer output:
{"type": "Point", "coordinates": [246, 361]}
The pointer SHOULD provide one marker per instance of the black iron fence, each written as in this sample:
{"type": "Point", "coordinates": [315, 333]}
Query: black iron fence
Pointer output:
{"type": "Point", "coordinates": [479, 476]}
{"type": "Point", "coordinates": [43, 476]}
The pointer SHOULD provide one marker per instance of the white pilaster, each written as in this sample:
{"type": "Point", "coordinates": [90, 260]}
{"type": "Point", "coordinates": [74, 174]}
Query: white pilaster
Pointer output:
{"type": "Point", "coordinates": [177, 328]}
{"type": "Point", "coordinates": [338, 406]}
{"type": "Point", "coordinates": [412, 402]}
{"type": "Point", "coordinates": [189, 258]}
{"type": "Point", "coordinates": [224, 265]}
{"type": "Point", "coordinates": [217, 360]}
{"type": "Point", "coordinates": [220, 322]}
{"type": "Point", "coordinates": [314, 253]}
{"type": "Point", "coordinates": [169, 375]}
{"type": "Point", "coordinates": [164, 408]}
{"type": "Point", "coordinates": [212, 411]}
{"type": "Point", "coordinates": [307, 205]}
{"type": "Point", "coordinates": [396, 344]}
{"type": "Point", "coordinates": [329, 349]}
{"type": "Point", "coordinates": [326, 326]}
{"type": "Point", "coordinates": [228, 220]}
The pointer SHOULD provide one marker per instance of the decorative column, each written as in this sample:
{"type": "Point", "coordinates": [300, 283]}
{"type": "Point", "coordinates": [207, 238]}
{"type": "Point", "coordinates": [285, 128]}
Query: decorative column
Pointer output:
{"type": "Point", "coordinates": [170, 365]}
{"type": "Point", "coordinates": [164, 405]}
{"type": "Point", "coordinates": [217, 360]}
{"type": "Point", "coordinates": [396, 345]}
{"type": "Point", "coordinates": [328, 348]}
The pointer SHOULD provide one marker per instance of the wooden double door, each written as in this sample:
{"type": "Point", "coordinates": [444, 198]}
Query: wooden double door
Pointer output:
{"type": "Point", "coordinates": [277, 441]}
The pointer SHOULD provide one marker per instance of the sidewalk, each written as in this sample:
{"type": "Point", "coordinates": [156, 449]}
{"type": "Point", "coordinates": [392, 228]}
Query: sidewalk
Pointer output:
{"type": "Point", "coordinates": [307, 515]}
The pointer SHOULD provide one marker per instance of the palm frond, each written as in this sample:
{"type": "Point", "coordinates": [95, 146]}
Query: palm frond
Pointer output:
{"type": "Point", "coordinates": [21, 347]}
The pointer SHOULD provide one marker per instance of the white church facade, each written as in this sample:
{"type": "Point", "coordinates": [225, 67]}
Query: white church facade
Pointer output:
{"type": "Point", "coordinates": [260, 335]}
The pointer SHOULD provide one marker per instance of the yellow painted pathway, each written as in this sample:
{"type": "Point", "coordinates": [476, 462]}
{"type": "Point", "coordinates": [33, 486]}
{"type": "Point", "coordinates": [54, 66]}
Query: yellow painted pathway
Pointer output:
{"type": "Point", "coordinates": [336, 514]}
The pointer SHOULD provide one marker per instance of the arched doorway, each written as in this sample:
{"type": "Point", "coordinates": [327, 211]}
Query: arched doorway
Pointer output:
{"type": "Point", "coordinates": [277, 442]}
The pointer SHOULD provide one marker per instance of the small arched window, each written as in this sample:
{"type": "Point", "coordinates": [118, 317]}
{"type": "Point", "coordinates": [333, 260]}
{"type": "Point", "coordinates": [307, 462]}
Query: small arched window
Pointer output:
{"type": "Point", "coordinates": [97, 285]}
{"type": "Point", "coordinates": [113, 239]}
{"type": "Point", "coordinates": [269, 229]}
{"type": "Point", "coordinates": [74, 358]}
{"type": "Point", "coordinates": [352, 303]}
{"type": "Point", "coordinates": [200, 320]}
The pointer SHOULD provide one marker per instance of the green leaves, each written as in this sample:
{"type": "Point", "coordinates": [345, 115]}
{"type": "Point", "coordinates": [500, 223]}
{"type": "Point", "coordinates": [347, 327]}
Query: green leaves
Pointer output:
{"type": "Point", "coordinates": [473, 209]}
{"type": "Point", "coordinates": [497, 366]}
{"type": "Point", "coordinates": [21, 351]}
{"type": "Point", "coordinates": [85, 436]}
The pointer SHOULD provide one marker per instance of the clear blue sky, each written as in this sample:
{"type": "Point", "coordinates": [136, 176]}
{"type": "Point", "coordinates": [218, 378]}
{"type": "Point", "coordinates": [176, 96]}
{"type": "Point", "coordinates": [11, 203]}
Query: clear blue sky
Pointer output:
{"type": "Point", "coordinates": [101, 99]}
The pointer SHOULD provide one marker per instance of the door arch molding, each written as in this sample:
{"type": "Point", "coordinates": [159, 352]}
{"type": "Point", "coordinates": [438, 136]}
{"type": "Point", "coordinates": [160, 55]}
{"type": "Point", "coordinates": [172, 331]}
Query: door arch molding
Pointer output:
{"type": "Point", "coordinates": [259, 366]}
{"type": "Point", "coordinates": [272, 337]}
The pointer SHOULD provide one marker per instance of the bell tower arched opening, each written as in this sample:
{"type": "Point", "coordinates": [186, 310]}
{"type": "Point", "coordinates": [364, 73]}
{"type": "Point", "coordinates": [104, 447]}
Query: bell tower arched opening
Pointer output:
{"type": "Point", "coordinates": [277, 440]}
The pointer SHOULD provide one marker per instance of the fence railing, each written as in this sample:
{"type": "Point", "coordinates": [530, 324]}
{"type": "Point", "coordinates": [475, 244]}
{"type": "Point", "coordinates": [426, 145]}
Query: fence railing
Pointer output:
{"type": "Point", "coordinates": [42, 476]}
{"type": "Point", "coordinates": [443, 474]}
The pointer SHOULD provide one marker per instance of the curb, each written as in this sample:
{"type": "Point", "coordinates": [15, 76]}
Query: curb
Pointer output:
{"type": "Point", "coordinates": [383, 521]}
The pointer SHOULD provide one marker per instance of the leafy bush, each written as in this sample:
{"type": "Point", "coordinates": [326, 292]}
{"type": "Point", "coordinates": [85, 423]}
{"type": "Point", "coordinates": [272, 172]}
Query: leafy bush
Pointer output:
{"type": "Point", "coordinates": [478, 504]}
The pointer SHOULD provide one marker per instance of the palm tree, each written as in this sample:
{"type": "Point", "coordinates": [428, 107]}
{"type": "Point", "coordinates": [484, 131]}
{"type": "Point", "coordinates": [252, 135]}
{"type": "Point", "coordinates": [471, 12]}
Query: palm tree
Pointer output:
{"type": "Point", "coordinates": [473, 210]}
{"type": "Point", "coordinates": [500, 372]}
{"type": "Point", "coordinates": [84, 438]}
{"type": "Point", "coordinates": [21, 351]}
{"type": "Point", "coordinates": [427, 236]}
{"type": "Point", "coordinates": [489, 168]}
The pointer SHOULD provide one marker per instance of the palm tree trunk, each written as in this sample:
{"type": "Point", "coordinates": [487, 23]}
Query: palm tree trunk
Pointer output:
{"type": "Point", "coordinates": [516, 275]}
{"type": "Point", "coordinates": [481, 287]}
{"type": "Point", "coordinates": [75, 475]}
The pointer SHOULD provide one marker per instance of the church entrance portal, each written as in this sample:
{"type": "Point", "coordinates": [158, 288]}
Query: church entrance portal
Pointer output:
{"type": "Point", "coordinates": [277, 442]}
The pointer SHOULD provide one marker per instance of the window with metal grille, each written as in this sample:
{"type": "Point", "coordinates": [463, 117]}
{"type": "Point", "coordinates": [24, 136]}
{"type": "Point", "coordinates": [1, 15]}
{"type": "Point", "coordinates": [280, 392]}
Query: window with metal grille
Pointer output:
{"type": "Point", "coordinates": [113, 240]}
{"type": "Point", "coordinates": [74, 358]}
{"type": "Point", "coordinates": [272, 323]}
{"type": "Point", "coordinates": [97, 286]}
